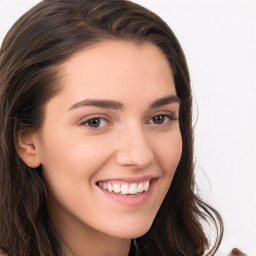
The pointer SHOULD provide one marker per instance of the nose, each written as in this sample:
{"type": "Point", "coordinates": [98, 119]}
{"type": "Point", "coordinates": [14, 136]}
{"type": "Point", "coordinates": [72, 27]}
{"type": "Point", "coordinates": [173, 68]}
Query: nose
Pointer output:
{"type": "Point", "coordinates": [134, 149]}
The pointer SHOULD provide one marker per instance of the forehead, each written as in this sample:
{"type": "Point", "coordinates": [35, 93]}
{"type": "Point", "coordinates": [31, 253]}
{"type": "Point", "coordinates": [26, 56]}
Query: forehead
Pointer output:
{"type": "Point", "coordinates": [118, 66]}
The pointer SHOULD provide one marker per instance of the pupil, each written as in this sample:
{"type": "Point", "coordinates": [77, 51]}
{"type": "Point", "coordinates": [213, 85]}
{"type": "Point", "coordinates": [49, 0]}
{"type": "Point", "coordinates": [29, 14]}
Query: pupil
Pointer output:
{"type": "Point", "coordinates": [159, 119]}
{"type": "Point", "coordinates": [94, 122]}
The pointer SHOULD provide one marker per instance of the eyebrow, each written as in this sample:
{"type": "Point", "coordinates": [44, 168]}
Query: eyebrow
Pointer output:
{"type": "Point", "coordinates": [98, 103]}
{"type": "Point", "coordinates": [110, 104]}
{"type": "Point", "coordinates": [166, 100]}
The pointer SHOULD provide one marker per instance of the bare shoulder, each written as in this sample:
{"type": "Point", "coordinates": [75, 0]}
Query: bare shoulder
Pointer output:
{"type": "Point", "coordinates": [236, 252]}
{"type": "Point", "coordinates": [3, 253]}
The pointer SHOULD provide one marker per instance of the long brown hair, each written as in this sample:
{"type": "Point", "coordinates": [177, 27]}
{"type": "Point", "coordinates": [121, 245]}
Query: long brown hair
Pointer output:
{"type": "Point", "coordinates": [30, 55]}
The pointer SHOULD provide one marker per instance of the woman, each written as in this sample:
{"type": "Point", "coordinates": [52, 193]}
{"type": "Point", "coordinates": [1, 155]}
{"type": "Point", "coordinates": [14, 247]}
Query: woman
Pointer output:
{"type": "Point", "coordinates": [96, 135]}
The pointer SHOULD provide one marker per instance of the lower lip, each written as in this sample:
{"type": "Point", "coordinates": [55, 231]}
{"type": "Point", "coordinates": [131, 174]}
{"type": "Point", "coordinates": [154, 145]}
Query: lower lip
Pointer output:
{"type": "Point", "coordinates": [130, 200]}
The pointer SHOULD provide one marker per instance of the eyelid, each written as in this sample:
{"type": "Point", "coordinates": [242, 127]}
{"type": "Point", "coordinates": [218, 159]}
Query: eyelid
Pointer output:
{"type": "Point", "coordinates": [92, 116]}
{"type": "Point", "coordinates": [170, 116]}
{"type": "Point", "coordinates": [85, 120]}
{"type": "Point", "coordinates": [174, 115]}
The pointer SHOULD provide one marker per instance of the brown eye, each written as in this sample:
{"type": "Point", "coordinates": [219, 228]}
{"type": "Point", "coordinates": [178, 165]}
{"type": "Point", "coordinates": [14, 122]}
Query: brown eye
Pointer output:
{"type": "Point", "coordinates": [163, 119]}
{"type": "Point", "coordinates": [95, 122]}
{"type": "Point", "coordinates": [159, 119]}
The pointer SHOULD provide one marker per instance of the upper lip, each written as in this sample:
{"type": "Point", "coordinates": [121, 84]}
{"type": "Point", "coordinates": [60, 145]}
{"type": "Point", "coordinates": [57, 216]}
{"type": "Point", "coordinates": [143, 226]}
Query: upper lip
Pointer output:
{"type": "Point", "coordinates": [131, 179]}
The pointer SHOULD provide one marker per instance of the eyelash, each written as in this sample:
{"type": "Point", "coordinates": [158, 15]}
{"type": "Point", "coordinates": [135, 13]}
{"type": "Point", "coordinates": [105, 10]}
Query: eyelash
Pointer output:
{"type": "Point", "coordinates": [169, 116]}
{"type": "Point", "coordinates": [94, 118]}
{"type": "Point", "coordinates": [85, 123]}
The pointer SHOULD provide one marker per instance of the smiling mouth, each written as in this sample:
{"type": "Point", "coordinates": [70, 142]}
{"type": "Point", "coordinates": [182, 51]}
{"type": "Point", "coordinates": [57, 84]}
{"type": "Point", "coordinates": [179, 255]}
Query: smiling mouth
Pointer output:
{"type": "Point", "coordinates": [125, 188]}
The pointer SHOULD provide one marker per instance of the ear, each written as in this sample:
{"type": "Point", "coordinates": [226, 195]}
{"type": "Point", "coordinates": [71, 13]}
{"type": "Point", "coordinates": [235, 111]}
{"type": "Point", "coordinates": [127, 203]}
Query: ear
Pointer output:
{"type": "Point", "coordinates": [27, 148]}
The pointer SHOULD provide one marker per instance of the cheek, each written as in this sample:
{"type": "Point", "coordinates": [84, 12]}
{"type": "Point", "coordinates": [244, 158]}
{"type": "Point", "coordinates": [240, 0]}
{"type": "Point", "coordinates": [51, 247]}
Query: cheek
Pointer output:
{"type": "Point", "coordinates": [70, 165]}
{"type": "Point", "coordinates": [73, 159]}
{"type": "Point", "coordinates": [169, 153]}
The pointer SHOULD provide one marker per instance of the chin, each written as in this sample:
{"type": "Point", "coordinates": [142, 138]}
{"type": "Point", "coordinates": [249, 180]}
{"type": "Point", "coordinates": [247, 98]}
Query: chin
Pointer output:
{"type": "Point", "coordinates": [131, 231]}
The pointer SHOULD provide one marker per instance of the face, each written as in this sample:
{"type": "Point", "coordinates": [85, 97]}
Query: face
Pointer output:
{"type": "Point", "coordinates": [111, 142]}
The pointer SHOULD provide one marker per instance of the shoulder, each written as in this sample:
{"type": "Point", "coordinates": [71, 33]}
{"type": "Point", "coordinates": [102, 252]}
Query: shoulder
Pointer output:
{"type": "Point", "coordinates": [234, 252]}
{"type": "Point", "coordinates": [3, 253]}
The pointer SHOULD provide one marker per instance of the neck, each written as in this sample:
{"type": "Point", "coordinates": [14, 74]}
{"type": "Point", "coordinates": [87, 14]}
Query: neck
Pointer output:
{"type": "Point", "coordinates": [80, 239]}
{"type": "Point", "coordinates": [81, 245]}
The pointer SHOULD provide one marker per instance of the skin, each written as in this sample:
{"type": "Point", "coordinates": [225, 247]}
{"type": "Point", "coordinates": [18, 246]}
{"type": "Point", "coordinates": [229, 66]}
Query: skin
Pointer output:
{"type": "Point", "coordinates": [130, 142]}
{"type": "Point", "coordinates": [236, 252]}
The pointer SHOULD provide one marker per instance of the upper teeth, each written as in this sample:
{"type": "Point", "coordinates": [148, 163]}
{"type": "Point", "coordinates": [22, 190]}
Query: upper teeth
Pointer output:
{"type": "Point", "coordinates": [133, 188]}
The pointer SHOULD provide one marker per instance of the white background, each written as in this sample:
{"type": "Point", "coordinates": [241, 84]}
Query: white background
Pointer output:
{"type": "Point", "coordinates": [219, 40]}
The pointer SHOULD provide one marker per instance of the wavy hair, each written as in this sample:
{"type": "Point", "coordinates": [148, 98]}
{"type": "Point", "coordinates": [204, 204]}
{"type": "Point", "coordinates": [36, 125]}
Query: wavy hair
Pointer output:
{"type": "Point", "coordinates": [37, 44]}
